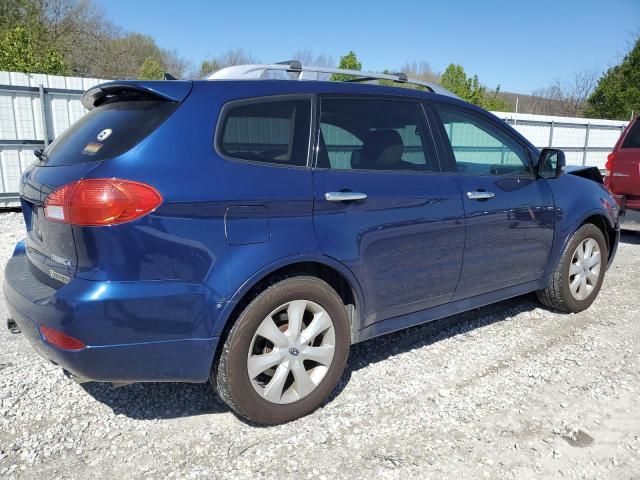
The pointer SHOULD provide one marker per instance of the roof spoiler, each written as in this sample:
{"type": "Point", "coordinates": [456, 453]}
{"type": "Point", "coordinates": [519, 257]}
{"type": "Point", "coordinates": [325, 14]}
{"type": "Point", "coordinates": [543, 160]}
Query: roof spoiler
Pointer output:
{"type": "Point", "coordinates": [172, 91]}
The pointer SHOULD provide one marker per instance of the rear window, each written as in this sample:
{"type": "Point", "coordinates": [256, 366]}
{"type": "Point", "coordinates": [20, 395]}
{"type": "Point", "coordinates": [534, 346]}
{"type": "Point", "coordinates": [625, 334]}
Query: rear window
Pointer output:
{"type": "Point", "coordinates": [107, 131]}
{"type": "Point", "coordinates": [267, 131]}
{"type": "Point", "coordinates": [632, 140]}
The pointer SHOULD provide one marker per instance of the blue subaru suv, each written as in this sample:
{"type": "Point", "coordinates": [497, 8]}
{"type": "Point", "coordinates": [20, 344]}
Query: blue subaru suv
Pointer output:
{"type": "Point", "coordinates": [246, 230]}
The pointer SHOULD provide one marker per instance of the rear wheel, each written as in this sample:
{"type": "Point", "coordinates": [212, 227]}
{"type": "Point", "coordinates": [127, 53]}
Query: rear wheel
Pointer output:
{"type": "Point", "coordinates": [579, 274]}
{"type": "Point", "coordinates": [285, 353]}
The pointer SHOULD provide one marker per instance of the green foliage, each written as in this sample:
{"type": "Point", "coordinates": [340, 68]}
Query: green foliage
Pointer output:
{"type": "Point", "coordinates": [470, 89]}
{"type": "Point", "coordinates": [388, 83]}
{"type": "Point", "coordinates": [617, 94]}
{"type": "Point", "coordinates": [348, 62]}
{"type": "Point", "coordinates": [151, 70]}
{"type": "Point", "coordinates": [78, 32]}
{"type": "Point", "coordinates": [21, 52]}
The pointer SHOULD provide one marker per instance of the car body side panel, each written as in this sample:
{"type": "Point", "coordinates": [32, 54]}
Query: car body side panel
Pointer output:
{"type": "Point", "coordinates": [404, 242]}
{"type": "Point", "coordinates": [508, 237]}
{"type": "Point", "coordinates": [185, 238]}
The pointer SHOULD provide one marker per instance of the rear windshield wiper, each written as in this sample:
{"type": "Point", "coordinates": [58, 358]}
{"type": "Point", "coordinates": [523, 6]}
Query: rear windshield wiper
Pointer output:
{"type": "Point", "coordinates": [40, 155]}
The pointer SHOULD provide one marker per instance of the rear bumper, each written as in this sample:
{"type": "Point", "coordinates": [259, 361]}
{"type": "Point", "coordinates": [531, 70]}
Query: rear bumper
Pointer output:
{"type": "Point", "coordinates": [134, 331]}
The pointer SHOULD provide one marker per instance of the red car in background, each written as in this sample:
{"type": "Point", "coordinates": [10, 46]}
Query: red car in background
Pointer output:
{"type": "Point", "coordinates": [623, 167]}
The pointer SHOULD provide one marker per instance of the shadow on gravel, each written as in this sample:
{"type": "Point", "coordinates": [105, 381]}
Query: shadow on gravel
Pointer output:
{"type": "Point", "coordinates": [381, 348]}
{"type": "Point", "coordinates": [146, 401]}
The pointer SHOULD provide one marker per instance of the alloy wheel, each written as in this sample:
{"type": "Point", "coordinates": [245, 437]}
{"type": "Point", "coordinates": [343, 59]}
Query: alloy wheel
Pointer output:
{"type": "Point", "coordinates": [291, 351]}
{"type": "Point", "coordinates": [585, 269]}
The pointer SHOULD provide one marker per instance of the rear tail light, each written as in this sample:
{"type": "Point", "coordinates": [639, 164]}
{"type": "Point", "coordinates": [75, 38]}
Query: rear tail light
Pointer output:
{"type": "Point", "coordinates": [60, 340]}
{"type": "Point", "coordinates": [101, 201]}
{"type": "Point", "coordinates": [608, 166]}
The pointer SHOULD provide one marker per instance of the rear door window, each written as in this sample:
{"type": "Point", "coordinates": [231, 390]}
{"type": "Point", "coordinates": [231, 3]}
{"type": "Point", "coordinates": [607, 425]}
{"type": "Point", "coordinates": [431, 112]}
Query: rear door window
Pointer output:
{"type": "Point", "coordinates": [107, 131]}
{"type": "Point", "coordinates": [374, 134]}
{"type": "Point", "coordinates": [267, 130]}
{"type": "Point", "coordinates": [632, 139]}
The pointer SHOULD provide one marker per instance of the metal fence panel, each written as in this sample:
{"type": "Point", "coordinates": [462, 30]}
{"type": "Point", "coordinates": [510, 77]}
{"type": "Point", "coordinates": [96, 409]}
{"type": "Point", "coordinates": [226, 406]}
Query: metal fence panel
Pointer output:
{"type": "Point", "coordinates": [585, 141]}
{"type": "Point", "coordinates": [34, 109]}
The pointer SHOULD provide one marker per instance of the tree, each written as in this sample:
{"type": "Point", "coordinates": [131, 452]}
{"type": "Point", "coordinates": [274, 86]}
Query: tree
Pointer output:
{"type": "Point", "coordinates": [470, 89]}
{"type": "Point", "coordinates": [307, 57]}
{"type": "Point", "coordinates": [421, 71]}
{"type": "Point", "coordinates": [348, 62]}
{"type": "Point", "coordinates": [234, 56]}
{"type": "Point", "coordinates": [20, 52]}
{"type": "Point", "coordinates": [617, 94]}
{"type": "Point", "coordinates": [88, 43]}
{"type": "Point", "coordinates": [151, 70]}
{"type": "Point", "coordinates": [567, 98]}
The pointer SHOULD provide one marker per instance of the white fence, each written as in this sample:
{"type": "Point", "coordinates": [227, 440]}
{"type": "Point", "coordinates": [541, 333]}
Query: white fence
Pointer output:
{"type": "Point", "coordinates": [35, 109]}
{"type": "Point", "coordinates": [585, 141]}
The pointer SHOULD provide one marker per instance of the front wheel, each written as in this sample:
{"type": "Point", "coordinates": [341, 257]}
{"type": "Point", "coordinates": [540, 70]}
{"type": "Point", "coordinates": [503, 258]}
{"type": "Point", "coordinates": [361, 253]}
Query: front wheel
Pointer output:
{"type": "Point", "coordinates": [578, 276]}
{"type": "Point", "coordinates": [286, 352]}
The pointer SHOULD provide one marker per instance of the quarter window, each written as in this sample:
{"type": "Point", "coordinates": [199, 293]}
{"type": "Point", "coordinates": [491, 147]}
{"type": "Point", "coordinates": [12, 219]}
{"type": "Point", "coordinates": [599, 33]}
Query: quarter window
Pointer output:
{"type": "Point", "coordinates": [372, 134]}
{"type": "Point", "coordinates": [268, 131]}
{"type": "Point", "coordinates": [480, 148]}
{"type": "Point", "coordinates": [632, 139]}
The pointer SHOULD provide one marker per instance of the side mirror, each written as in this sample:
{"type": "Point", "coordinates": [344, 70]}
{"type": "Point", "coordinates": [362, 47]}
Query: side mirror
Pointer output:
{"type": "Point", "coordinates": [551, 163]}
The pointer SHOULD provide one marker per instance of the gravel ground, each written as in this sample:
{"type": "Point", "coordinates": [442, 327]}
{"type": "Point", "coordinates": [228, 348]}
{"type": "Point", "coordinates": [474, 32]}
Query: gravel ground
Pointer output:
{"type": "Point", "coordinates": [507, 391]}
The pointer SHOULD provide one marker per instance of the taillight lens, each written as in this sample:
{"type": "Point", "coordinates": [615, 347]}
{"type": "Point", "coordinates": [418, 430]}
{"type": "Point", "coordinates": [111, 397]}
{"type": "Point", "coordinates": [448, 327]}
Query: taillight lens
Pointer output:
{"type": "Point", "coordinates": [60, 339]}
{"type": "Point", "coordinates": [608, 166]}
{"type": "Point", "coordinates": [101, 201]}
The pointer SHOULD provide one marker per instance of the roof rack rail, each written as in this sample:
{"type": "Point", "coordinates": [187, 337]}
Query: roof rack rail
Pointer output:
{"type": "Point", "coordinates": [308, 72]}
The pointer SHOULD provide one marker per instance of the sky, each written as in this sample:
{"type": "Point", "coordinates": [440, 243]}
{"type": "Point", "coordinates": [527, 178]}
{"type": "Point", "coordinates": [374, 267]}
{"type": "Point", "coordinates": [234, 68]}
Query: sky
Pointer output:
{"type": "Point", "coordinates": [520, 45]}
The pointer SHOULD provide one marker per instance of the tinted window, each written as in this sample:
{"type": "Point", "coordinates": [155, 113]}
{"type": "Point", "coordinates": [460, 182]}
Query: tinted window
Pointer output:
{"type": "Point", "coordinates": [480, 148]}
{"type": "Point", "coordinates": [268, 131]}
{"type": "Point", "coordinates": [632, 139]}
{"type": "Point", "coordinates": [363, 134]}
{"type": "Point", "coordinates": [107, 131]}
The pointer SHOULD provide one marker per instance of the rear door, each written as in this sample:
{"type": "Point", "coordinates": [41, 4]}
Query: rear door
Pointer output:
{"type": "Point", "coordinates": [383, 208]}
{"type": "Point", "coordinates": [509, 212]}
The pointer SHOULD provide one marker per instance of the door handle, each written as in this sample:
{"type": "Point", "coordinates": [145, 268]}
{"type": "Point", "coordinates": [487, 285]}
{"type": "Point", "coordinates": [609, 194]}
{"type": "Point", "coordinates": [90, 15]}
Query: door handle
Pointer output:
{"type": "Point", "coordinates": [344, 196]}
{"type": "Point", "coordinates": [477, 195]}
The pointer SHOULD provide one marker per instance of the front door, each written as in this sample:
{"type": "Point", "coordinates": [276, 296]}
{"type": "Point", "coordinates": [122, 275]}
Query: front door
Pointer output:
{"type": "Point", "coordinates": [509, 212]}
{"type": "Point", "coordinates": [383, 208]}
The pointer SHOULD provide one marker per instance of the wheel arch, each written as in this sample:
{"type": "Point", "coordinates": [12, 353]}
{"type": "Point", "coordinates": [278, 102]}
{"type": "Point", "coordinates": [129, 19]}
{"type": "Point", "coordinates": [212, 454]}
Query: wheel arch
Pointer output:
{"type": "Point", "coordinates": [565, 230]}
{"type": "Point", "coordinates": [339, 277]}
{"type": "Point", "coordinates": [602, 221]}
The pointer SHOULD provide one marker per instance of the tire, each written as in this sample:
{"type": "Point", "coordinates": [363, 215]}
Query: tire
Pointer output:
{"type": "Point", "coordinates": [258, 398]}
{"type": "Point", "coordinates": [558, 294]}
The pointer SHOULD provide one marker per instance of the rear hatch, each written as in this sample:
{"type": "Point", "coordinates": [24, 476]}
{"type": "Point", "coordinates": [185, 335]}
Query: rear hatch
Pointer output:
{"type": "Point", "coordinates": [623, 164]}
{"type": "Point", "coordinates": [121, 115]}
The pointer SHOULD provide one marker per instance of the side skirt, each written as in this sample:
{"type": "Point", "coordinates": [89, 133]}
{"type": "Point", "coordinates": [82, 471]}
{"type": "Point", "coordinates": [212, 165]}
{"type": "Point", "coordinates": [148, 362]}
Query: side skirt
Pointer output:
{"type": "Point", "coordinates": [424, 316]}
